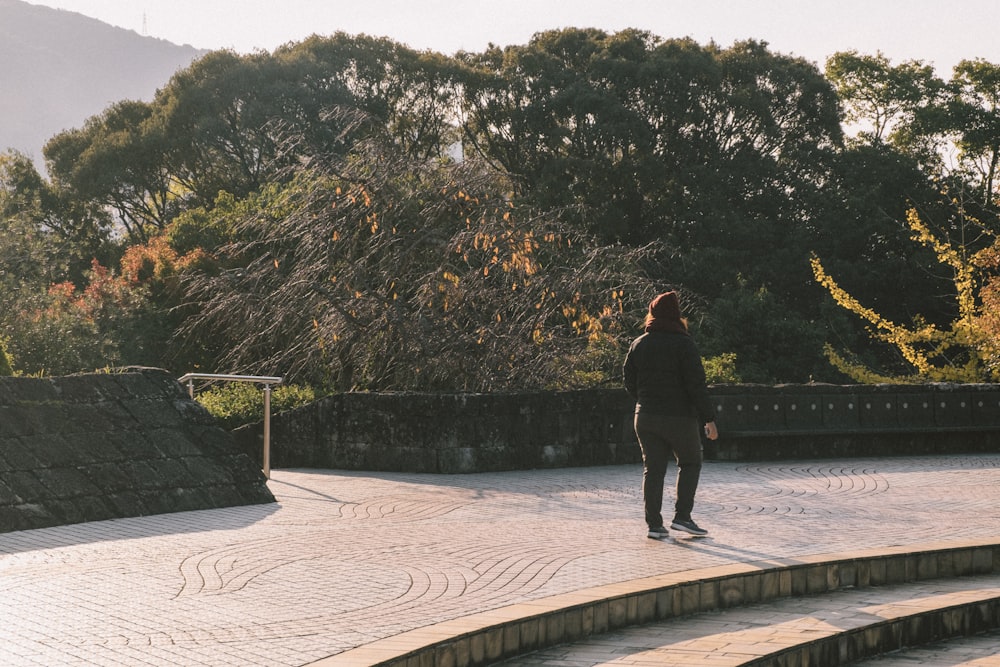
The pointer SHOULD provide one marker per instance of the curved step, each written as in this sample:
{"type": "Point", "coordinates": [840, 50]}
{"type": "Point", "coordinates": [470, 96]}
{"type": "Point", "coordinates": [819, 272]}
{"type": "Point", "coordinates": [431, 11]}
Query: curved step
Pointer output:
{"type": "Point", "coordinates": [976, 651]}
{"type": "Point", "coordinates": [490, 637]}
{"type": "Point", "coordinates": [828, 629]}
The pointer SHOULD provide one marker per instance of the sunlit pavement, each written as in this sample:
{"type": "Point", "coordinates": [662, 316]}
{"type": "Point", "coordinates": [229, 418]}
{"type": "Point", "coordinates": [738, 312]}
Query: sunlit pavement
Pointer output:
{"type": "Point", "coordinates": [344, 558]}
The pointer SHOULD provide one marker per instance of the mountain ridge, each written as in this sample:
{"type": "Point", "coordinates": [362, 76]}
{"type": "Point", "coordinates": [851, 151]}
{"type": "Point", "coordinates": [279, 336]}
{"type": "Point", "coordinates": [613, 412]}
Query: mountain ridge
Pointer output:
{"type": "Point", "coordinates": [61, 68]}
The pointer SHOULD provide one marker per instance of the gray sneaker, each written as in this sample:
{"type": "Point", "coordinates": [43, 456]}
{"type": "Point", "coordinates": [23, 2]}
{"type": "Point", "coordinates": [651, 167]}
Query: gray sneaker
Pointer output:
{"type": "Point", "coordinates": [658, 533]}
{"type": "Point", "coordinates": [688, 526]}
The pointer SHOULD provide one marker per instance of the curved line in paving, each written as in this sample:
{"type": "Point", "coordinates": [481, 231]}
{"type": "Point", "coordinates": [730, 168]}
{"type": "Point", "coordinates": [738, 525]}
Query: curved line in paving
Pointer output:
{"type": "Point", "coordinates": [808, 480]}
{"type": "Point", "coordinates": [514, 573]}
{"type": "Point", "coordinates": [407, 508]}
{"type": "Point", "coordinates": [208, 572]}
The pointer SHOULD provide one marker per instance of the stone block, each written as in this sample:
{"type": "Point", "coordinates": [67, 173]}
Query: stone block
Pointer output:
{"type": "Point", "coordinates": [770, 585]}
{"type": "Point", "coordinates": [170, 473]}
{"type": "Point", "coordinates": [617, 613]}
{"type": "Point", "coordinates": [54, 450]}
{"type": "Point", "coordinates": [752, 588]}
{"type": "Point", "coordinates": [126, 503]}
{"type": "Point", "coordinates": [457, 460]}
{"type": "Point", "coordinates": [708, 595]}
{"type": "Point", "coordinates": [952, 407]}
{"type": "Point", "coordinates": [985, 406]}
{"type": "Point", "coordinates": [7, 496]}
{"type": "Point", "coordinates": [29, 392]}
{"type": "Point", "coordinates": [645, 607]}
{"type": "Point", "coordinates": [915, 409]}
{"type": "Point", "coordinates": [528, 634]}
{"type": "Point", "coordinates": [211, 471]}
{"type": "Point", "coordinates": [18, 455]}
{"type": "Point", "coordinates": [926, 566]}
{"type": "Point", "coordinates": [98, 448]}
{"type": "Point", "coordinates": [689, 596]}
{"type": "Point", "coordinates": [800, 581]}
{"type": "Point", "coordinates": [25, 485]}
{"type": "Point", "coordinates": [817, 579]}
{"type": "Point", "coordinates": [732, 592]}
{"type": "Point", "coordinates": [152, 414]}
{"type": "Point", "coordinates": [803, 410]}
{"type": "Point", "coordinates": [413, 459]}
{"type": "Point", "coordinates": [66, 483]}
{"type": "Point", "coordinates": [878, 409]}
{"type": "Point", "coordinates": [841, 411]}
{"type": "Point", "coordinates": [13, 517]}
{"type": "Point", "coordinates": [602, 621]}
{"type": "Point", "coordinates": [221, 495]}
{"type": "Point", "coordinates": [494, 643]}
{"type": "Point", "coordinates": [15, 422]}
{"type": "Point", "coordinates": [587, 620]}
{"type": "Point", "coordinates": [982, 560]}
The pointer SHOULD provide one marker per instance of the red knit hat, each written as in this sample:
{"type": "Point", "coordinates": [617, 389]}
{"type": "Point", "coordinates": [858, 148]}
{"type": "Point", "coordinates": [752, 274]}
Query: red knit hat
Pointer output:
{"type": "Point", "coordinates": [666, 306]}
{"type": "Point", "coordinates": [665, 314]}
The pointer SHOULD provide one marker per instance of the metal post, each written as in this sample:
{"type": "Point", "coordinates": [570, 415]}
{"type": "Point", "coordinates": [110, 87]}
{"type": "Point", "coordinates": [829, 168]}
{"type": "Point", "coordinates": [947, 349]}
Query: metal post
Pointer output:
{"type": "Point", "coordinates": [267, 431]}
{"type": "Point", "coordinates": [267, 381]}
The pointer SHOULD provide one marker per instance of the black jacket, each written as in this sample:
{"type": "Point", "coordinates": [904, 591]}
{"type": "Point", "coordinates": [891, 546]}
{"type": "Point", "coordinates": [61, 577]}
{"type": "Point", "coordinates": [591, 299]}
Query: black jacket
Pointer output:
{"type": "Point", "coordinates": [663, 373]}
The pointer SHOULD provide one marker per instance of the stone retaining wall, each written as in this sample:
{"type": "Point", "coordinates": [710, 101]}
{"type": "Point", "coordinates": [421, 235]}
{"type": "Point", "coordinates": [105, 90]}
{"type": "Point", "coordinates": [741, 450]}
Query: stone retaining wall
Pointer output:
{"type": "Point", "coordinates": [450, 432]}
{"type": "Point", "coordinates": [818, 420]}
{"type": "Point", "coordinates": [457, 433]}
{"type": "Point", "coordinates": [103, 446]}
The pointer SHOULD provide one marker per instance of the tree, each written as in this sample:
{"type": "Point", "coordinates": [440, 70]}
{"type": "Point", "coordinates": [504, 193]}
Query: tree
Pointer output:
{"type": "Point", "coordinates": [718, 155]}
{"type": "Point", "coordinates": [975, 118]}
{"type": "Point", "coordinates": [561, 117]}
{"type": "Point", "coordinates": [964, 351]}
{"type": "Point", "coordinates": [25, 248]}
{"type": "Point", "coordinates": [31, 258]}
{"type": "Point", "coordinates": [881, 98]}
{"type": "Point", "coordinates": [643, 133]}
{"type": "Point", "coordinates": [218, 124]}
{"type": "Point", "coordinates": [118, 160]}
{"type": "Point", "coordinates": [987, 320]}
{"type": "Point", "coordinates": [108, 323]}
{"type": "Point", "coordinates": [409, 97]}
{"type": "Point", "coordinates": [386, 273]}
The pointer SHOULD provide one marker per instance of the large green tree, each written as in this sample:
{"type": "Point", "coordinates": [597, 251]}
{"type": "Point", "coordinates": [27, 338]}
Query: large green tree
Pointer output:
{"type": "Point", "coordinates": [118, 160]}
{"type": "Point", "coordinates": [880, 99]}
{"type": "Point", "coordinates": [974, 120]}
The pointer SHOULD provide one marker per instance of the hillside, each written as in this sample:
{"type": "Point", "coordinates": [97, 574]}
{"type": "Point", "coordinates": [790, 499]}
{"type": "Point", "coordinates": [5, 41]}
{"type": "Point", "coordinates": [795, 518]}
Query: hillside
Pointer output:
{"type": "Point", "coordinates": [60, 68]}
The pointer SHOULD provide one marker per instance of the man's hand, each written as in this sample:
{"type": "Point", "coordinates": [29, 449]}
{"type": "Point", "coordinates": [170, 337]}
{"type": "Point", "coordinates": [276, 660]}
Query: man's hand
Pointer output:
{"type": "Point", "coordinates": [711, 431]}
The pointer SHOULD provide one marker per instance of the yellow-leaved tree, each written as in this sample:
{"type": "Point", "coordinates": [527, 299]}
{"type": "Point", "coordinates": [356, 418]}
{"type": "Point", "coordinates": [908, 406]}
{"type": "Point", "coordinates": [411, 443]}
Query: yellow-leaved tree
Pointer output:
{"type": "Point", "coordinates": [967, 350]}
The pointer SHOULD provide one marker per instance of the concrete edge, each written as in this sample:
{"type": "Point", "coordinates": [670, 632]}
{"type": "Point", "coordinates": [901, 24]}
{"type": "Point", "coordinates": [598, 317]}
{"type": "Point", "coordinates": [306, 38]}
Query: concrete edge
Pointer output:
{"type": "Point", "coordinates": [499, 634]}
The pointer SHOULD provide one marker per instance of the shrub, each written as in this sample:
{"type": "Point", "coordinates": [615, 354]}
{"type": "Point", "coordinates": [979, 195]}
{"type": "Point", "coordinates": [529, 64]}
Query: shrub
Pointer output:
{"type": "Point", "coordinates": [239, 403]}
{"type": "Point", "coordinates": [721, 369]}
{"type": "Point", "coordinates": [6, 363]}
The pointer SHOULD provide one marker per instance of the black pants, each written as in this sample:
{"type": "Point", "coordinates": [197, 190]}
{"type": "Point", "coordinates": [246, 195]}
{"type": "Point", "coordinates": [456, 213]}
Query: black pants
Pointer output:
{"type": "Point", "coordinates": [660, 437]}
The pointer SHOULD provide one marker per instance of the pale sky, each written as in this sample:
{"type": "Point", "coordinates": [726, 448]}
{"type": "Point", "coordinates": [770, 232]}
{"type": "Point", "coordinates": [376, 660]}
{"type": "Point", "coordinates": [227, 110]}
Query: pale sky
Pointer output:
{"type": "Point", "coordinates": [936, 32]}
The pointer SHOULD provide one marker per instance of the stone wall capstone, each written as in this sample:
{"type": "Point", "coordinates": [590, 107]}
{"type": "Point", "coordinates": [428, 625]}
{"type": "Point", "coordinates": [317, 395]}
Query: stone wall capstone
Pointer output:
{"type": "Point", "coordinates": [462, 433]}
{"type": "Point", "coordinates": [102, 446]}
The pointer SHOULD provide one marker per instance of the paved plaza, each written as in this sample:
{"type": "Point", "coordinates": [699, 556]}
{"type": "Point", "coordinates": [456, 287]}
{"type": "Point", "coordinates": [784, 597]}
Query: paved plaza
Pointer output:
{"type": "Point", "coordinates": [347, 558]}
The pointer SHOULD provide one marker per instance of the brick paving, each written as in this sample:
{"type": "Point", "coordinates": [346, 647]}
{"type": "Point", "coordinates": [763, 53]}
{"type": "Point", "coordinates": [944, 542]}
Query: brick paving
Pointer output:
{"type": "Point", "coordinates": [344, 559]}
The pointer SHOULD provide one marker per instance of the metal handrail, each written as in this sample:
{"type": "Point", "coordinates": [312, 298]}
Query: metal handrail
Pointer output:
{"type": "Point", "coordinates": [260, 379]}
